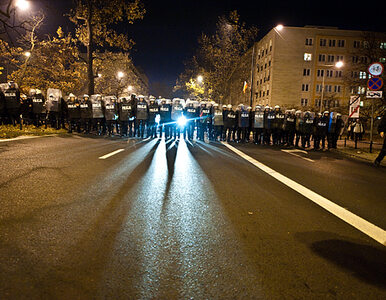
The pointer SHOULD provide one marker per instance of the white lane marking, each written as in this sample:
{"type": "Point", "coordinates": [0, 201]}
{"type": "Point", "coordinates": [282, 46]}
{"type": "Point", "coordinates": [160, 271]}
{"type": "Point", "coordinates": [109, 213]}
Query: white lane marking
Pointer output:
{"type": "Point", "coordinates": [297, 155]}
{"type": "Point", "coordinates": [111, 154]}
{"type": "Point", "coordinates": [359, 223]}
{"type": "Point", "coordinates": [25, 137]}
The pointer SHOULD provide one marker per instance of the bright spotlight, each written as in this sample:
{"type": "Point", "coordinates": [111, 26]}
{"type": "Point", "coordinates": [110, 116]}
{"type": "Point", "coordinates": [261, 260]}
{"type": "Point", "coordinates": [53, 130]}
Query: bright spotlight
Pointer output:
{"type": "Point", "coordinates": [279, 27]}
{"type": "Point", "coordinates": [200, 78]}
{"type": "Point", "coordinates": [27, 54]}
{"type": "Point", "coordinates": [120, 75]}
{"type": "Point", "coordinates": [181, 121]}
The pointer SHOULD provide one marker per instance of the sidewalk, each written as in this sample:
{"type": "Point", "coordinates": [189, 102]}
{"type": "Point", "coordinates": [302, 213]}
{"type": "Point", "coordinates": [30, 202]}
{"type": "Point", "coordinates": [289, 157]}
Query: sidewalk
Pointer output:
{"type": "Point", "coordinates": [363, 149]}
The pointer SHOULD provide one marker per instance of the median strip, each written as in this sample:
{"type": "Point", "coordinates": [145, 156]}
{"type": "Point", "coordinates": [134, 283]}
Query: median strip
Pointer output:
{"type": "Point", "coordinates": [111, 154]}
{"type": "Point", "coordinates": [359, 223]}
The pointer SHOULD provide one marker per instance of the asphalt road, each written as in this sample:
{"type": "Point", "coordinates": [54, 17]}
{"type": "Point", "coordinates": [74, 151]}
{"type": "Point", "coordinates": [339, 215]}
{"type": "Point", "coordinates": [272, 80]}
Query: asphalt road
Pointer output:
{"type": "Point", "coordinates": [175, 220]}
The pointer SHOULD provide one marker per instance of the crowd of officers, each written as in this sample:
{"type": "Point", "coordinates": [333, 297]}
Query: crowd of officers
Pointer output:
{"type": "Point", "coordinates": [140, 116]}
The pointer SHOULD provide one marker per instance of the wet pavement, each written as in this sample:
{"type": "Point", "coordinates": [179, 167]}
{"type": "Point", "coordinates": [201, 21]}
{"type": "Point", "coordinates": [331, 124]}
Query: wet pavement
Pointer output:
{"type": "Point", "coordinates": [180, 220]}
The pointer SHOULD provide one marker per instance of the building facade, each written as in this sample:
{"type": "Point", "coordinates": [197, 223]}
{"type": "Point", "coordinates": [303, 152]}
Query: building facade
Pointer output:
{"type": "Point", "coordinates": [297, 67]}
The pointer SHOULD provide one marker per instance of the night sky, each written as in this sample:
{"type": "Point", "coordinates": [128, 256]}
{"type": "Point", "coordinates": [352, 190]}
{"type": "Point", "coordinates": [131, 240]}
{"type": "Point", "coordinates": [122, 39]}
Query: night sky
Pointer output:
{"type": "Point", "coordinates": [168, 34]}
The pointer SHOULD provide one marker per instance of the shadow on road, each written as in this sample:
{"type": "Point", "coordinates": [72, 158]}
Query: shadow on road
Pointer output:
{"type": "Point", "coordinates": [365, 262]}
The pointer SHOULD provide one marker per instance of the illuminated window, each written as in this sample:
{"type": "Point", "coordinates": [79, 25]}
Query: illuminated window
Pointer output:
{"type": "Point", "coordinates": [307, 56]}
{"type": "Point", "coordinates": [362, 75]}
{"type": "Point", "coordinates": [382, 45]}
{"type": "Point", "coordinates": [382, 59]}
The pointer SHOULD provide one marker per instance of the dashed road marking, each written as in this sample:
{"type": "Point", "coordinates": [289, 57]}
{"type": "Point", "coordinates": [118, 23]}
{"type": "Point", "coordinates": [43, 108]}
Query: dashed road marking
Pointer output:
{"type": "Point", "coordinates": [359, 223]}
{"type": "Point", "coordinates": [293, 152]}
{"type": "Point", "coordinates": [111, 154]}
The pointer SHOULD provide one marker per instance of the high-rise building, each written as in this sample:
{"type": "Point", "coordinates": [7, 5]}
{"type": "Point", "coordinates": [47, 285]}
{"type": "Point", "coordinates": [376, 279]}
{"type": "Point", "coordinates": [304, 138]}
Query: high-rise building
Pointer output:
{"type": "Point", "coordinates": [305, 66]}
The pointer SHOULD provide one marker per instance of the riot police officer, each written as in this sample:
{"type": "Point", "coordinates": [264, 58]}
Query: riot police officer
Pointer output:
{"type": "Point", "coordinates": [141, 116]}
{"type": "Point", "coordinates": [269, 120]}
{"type": "Point", "coordinates": [230, 121]}
{"type": "Point", "coordinates": [321, 129]}
{"type": "Point", "coordinates": [153, 112]}
{"type": "Point", "coordinates": [86, 113]}
{"type": "Point", "coordinates": [308, 129]}
{"type": "Point", "coordinates": [26, 109]}
{"type": "Point", "coordinates": [191, 115]}
{"type": "Point", "coordinates": [258, 124]}
{"type": "Point", "coordinates": [277, 133]}
{"type": "Point", "coordinates": [205, 120]}
{"type": "Point", "coordinates": [124, 107]}
{"type": "Point", "coordinates": [38, 107]}
{"type": "Point", "coordinates": [218, 123]}
{"type": "Point", "coordinates": [298, 127]}
{"type": "Point", "coordinates": [131, 114]}
{"type": "Point", "coordinates": [338, 130]}
{"type": "Point", "coordinates": [111, 112]}
{"type": "Point", "coordinates": [289, 128]}
{"type": "Point", "coordinates": [98, 114]}
{"type": "Point", "coordinates": [12, 103]}
{"type": "Point", "coordinates": [243, 123]}
{"type": "Point", "coordinates": [165, 117]}
{"type": "Point", "coordinates": [73, 113]}
{"type": "Point", "coordinates": [54, 107]}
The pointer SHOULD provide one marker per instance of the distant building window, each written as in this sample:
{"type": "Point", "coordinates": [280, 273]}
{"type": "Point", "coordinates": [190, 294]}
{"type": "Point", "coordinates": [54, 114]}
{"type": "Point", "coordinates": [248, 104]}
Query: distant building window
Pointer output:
{"type": "Point", "coordinates": [328, 88]}
{"type": "Point", "coordinates": [357, 44]}
{"type": "Point", "coordinates": [361, 89]}
{"type": "Point", "coordinates": [305, 87]}
{"type": "Point", "coordinates": [337, 89]}
{"type": "Point", "coordinates": [354, 74]}
{"type": "Point", "coordinates": [364, 60]}
{"type": "Point", "coordinates": [323, 42]}
{"type": "Point", "coordinates": [322, 57]}
{"type": "Point", "coordinates": [331, 43]}
{"type": "Point", "coordinates": [318, 88]}
{"type": "Point", "coordinates": [339, 58]}
{"type": "Point", "coordinates": [330, 58]}
{"type": "Point", "coordinates": [382, 45]}
{"type": "Point", "coordinates": [309, 41]}
{"type": "Point", "coordinates": [304, 102]}
{"type": "Point", "coordinates": [267, 92]}
{"type": "Point", "coordinates": [338, 73]}
{"type": "Point", "coordinates": [307, 56]}
{"type": "Point", "coordinates": [329, 73]}
{"type": "Point", "coordinates": [306, 72]}
{"type": "Point", "coordinates": [317, 102]}
{"type": "Point", "coordinates": [320, 73]}
{"type": "Point", "coordinates": [341, 43]}
{"type": "Point", "coordinates": [362, 75]}
{"type": "Point", "coordinates": [269, 63]}
{"type": "Point", "coordinates": [355, 59]}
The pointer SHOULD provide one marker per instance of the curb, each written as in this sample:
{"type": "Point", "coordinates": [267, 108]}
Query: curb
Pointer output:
{"type": "Point", "coordinates": [356, 157]}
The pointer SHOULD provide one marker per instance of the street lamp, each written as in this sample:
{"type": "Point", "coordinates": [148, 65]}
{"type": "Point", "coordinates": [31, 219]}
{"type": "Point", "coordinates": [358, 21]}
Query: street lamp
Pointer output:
{"type": "Point", "coordinates": [130, 88]}
{"type": "Point", "coordinates": [200, 79]}
{"type": "Point", "coordinates": [120, 75]}
{"type": "Point", "coordinates": [22, 4]}
{"type": "Point", "coordinates": [27, 54]}
{"type": "Point", "coordinates": [99, 75]}
{"type": "Point", "coordinates": [338, 65]}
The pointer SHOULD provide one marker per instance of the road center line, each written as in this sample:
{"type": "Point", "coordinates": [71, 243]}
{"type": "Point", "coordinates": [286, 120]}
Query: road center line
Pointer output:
{"type": "Point", "coordinates": [297, 155]}
{"type": "Point", "coordinates": [111, 154]}
{"type": "Point", "coordinates": [359, 223]}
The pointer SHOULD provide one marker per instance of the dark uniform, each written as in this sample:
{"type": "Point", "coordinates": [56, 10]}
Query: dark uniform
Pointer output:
{"type": "Point", "coordinates": [177, 112]}
{"type": "Point", "coordinates": [191, 115]}
{"type": "Point", "coordinates": [12, 103]}
{"type": "Point", "coordinates": [269, 120]}
{"type": "Point", "coordinates": [218, 123]}
{"type": "Point", "coordinates": [73, 114]}
{"type": "Point", "coordinates": [165, 112]}
{"type": "Point", "coordinates": [289, 129]}
{"type": "Point", "coordinates": [243, 124]}
{"type": "Point", "coordinates": [298, 127]}
{"type": "Point", "coordinates": [308, 129]}
{"type": "Point", "coordinates": [230, 122]}
{"type": "Point", "coordinates": [124, 109]}
{"type": "Point", "coordinates": [153, 112]}
{"type": "Point", "coordinates": [54, 108]}
{"type": "Point", "coordinates": [258, 125]}
{"type": "Point", "coordinates": [2, 108]}
{"type": "Point", "coordinates": [277, 129]}
{"type": "Point", "coordinates": [111, 112]}
{"type": "Point", "coordinates": [38, 108]}
{"type": "Point", "coordinates": [141, 116]}
{"type": "Point", "coordinates": [382, 128]}
{"type": "Point", "coordinates": [205, 121]}
{"type": "Point", "coordinates": [321, 129]}
{"type": "Point", "coordinates": [86, 113]}
{"type": "Point", "coordinates": [98, 114]}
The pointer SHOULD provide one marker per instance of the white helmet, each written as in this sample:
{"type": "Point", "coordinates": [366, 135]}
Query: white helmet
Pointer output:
{"type": "Point", "coordinates": [229, 105]}
{"type": "Point", "coordinates": [298, 112]}
{"type": "Point", "coordinates": [71, 96]}
{"type": "Point", "coordinates": [277, 106]}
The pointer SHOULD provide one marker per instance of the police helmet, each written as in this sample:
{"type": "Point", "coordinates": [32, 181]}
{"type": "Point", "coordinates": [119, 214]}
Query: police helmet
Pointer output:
{"type": "Point", "coordinates": [229, 105]}
{"type": "Point", "coordinates": [298, 112]}
{"type": "Point", "coordinates": [277, 107]}
{"type": "Point", "coordinates": [326, 112]}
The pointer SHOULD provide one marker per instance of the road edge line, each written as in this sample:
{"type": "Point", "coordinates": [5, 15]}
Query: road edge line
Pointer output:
{"type": "Point", "coordinates": [371, 230]}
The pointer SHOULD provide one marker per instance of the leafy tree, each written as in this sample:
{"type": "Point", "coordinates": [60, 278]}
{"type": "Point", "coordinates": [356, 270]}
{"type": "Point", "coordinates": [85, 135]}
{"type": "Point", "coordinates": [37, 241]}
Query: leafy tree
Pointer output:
{"type": "Point", "coordinates": [217, 57]}
{"type": "Point", "coordinates": [95, 21]}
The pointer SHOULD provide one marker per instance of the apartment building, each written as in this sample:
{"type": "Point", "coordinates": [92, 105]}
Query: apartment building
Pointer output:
{"type": "Point", "coordinates": [305, 66]}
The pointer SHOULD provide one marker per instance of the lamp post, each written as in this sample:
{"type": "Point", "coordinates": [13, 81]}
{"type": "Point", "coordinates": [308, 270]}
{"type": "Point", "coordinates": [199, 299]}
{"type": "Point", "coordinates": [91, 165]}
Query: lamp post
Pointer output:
{"type": "Point", "coordinates": [338, 65]}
